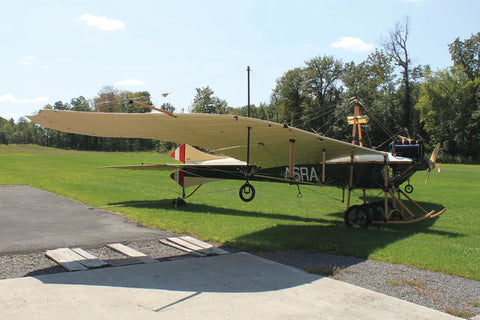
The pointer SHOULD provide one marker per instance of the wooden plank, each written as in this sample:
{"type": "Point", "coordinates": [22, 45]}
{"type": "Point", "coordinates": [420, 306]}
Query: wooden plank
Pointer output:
{"type": "Point", "coordinates": [185, 244]}
{"type": "Point", "coordinates": [90, 261]}
{"type": "Point", "coordinates": [205, 245]}
{"type": "Point", "coordinates": [197, 246]}
{"type": "Point", "coordinates": [130, 252]}
{"type": "Point", "coordinates": [66, 258]}
{"type": "Point", "coordinates": [176, 246]}
{"type": "Point", "coordinates": [197, 242]}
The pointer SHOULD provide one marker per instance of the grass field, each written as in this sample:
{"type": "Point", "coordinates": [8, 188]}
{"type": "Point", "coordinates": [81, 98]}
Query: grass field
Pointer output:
{"type": "Point", "coordinates": [275, 220]}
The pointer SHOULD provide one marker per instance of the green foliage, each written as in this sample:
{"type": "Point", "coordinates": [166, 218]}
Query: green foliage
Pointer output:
{"type": "Point", "coordinates": [288, 96]}
{"type": "Point", "coordinates": [205, 102]}
{"type": "Point", "coordinates": [110, 99]}
{"type": "Point", "coordinates": [263, 111]}
{"type": "Point", "coordinates": [449, 103]}
{"type": "Point", "coordinates": [465, 54]}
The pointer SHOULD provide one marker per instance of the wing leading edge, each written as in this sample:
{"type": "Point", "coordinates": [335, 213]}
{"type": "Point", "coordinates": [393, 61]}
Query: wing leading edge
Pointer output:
{"type": "Point", "coordinates": [219, 134]}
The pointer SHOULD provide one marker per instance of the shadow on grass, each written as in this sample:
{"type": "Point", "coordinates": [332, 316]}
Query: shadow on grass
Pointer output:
{"type": "Point", "coordinates": [328, 234]}
{"type": "Point", "coordinates": [203, 208]}
{"type": "Point", "coordinates": [333, 238]}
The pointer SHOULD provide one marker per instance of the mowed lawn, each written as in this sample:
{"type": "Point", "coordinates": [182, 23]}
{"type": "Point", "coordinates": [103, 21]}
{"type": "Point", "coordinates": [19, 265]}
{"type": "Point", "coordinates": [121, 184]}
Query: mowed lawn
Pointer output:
{"type": "Point", "coordinates": [275, 220]}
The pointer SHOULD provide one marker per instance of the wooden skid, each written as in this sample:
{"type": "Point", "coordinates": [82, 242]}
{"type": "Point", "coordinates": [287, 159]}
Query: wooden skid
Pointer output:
{"type": "Point", "coordinates": [132, 253]}
{"type": "Point", "coordinates": [429, 215]}
{"type": "Point", "coordinates": [75, 259]}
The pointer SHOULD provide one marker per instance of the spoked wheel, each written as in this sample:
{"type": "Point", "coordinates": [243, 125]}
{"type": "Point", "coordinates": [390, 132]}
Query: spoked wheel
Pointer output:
{"type": "Point", "coordinates": [247, 192]}
{"type": "Point", "coordinates": [408, 188]}
{"type": "Point", "coordinates": [358, 215]}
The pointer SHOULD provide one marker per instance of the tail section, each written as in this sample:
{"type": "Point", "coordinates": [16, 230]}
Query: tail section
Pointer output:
{"type": "Point", "coordinates": [179, 154]}
{"type": "Point", "coordinates": [188, 154]}
{"type": "Point", "coordinates": [195, 159]}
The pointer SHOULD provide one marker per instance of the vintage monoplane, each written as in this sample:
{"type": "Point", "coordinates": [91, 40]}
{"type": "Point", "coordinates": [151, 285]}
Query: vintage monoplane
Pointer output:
{"type": "Point", "coordinates": [250, 149]}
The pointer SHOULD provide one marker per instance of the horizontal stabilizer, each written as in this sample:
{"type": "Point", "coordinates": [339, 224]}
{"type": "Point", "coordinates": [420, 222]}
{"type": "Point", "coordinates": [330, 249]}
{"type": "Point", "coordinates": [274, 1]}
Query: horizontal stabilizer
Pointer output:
{"type": "Point", "coordinates": [149, 166]}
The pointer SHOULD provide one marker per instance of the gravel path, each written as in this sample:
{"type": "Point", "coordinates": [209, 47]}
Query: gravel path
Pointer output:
{"type": "Point", "coordinates": [446, 293]}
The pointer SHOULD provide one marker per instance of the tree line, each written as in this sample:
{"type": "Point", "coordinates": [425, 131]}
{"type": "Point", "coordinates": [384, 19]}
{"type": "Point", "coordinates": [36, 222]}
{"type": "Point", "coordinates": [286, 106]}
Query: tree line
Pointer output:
{"type": "Point", "coordinates": [399, 97]}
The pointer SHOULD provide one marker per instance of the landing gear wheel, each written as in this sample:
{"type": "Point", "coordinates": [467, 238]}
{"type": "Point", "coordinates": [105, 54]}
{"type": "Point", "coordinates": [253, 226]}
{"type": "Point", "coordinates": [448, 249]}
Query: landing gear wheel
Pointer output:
{"type": "Point", "coordinates": [408, 188]}
{"type": "Point", "coordinates": [247, 192]}
{"type": "Point", "coordinates": [358, 215]}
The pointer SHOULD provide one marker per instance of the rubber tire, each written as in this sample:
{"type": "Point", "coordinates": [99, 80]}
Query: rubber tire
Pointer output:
{"type": "Point", "coordinates": [408, 188]}
{"type": "Point", "coordinates": [247, 192]}
{"type": "Point", "coordinates": [358, 215]}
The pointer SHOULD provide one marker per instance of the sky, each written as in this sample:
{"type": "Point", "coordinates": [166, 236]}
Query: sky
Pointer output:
{"type": "Point", "coordinates": [58, 50]}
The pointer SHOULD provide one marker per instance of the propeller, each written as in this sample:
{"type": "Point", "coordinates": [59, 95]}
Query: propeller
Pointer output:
{"type": "Point", "coordinates": [432, 163]}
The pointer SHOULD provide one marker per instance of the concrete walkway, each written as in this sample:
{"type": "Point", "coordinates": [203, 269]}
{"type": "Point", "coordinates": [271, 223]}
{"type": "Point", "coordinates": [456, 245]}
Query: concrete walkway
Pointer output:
{"type": "Point", "coordinates": [232, 286]}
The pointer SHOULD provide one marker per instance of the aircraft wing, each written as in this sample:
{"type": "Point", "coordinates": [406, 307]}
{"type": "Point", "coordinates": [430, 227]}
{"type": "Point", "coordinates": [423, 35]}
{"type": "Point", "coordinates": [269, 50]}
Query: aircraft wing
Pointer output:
{"type": "Point", "coordinates": [219, 134]}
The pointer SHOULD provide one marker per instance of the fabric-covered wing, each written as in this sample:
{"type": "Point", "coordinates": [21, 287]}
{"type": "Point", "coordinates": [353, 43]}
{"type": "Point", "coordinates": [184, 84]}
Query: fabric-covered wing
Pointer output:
{"type": "Point", "coordinates": [220, 134]}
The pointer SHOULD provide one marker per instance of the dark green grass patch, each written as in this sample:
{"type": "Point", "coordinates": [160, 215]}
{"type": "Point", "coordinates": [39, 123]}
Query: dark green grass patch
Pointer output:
{"type": "Point", "coordinates": [275, 220]}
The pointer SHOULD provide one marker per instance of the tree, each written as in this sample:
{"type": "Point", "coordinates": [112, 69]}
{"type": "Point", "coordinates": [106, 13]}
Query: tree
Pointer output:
{"type": "Point", "coordinates": [59, 105]}
{"type": "Point", "coordinates": [450, 111]}
{"type": "Point", "coordinates": [205, 102]}
{"type": "Point", "coordinates": [7, 128]}
{"type": "Point", "coordinates": [322, 90]}
{"type": "Point", "coordinates": [466, 55]}
{"type": "Point", "coordinates": [80, 104]}
{"type": "Point", "coordinates": [396, 47]}
{"type": "Point", "coordinates": [141, 96]}
{"type": "Point", "coordinates": [288, 96]}
{"type": "Point", "coordinates": [167, 107]}
{"type": "Point", "coordinates": [373, 82]}
{"type": "Point", "coordinates": [108, 99]}
{"type": "Point", "coordinates": [449, 103]}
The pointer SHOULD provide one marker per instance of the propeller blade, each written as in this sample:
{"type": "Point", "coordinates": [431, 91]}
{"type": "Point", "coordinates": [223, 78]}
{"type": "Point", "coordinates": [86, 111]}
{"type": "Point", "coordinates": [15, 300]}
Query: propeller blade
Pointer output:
{"type": "Point", "coordinates": [432, 163]}
{"type": "Point", "coordinates": [433, 157]}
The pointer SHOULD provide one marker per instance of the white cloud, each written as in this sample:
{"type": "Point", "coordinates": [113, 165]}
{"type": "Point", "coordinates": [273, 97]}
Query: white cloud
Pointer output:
{"type": "Point", "coordinates": [103, 23]}
{"type": "Point", "coordinates": [352, 44]}
{"type": "Point", "coordinates": [130, 82]}
{"type": "Point", "coordinates": [10, 98]}
{"type": "Point", "coordinates": [26, 61]}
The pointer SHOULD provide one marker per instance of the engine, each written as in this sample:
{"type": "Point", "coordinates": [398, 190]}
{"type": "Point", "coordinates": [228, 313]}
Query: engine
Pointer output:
{"type": "Point", "coordinates": [407, 148]}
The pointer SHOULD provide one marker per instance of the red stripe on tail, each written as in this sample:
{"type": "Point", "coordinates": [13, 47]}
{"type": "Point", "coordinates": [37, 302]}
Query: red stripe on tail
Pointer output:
{"type": "Point", "coordinates": [179, 154]}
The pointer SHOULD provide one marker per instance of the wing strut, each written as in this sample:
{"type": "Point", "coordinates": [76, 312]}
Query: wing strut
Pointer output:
{"type": "Point", "coordinates": [150, 107]}
{"type": "Point", "coordinates": [247, 191]}
{"type": "Point", "coordinates": [291, 161]}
